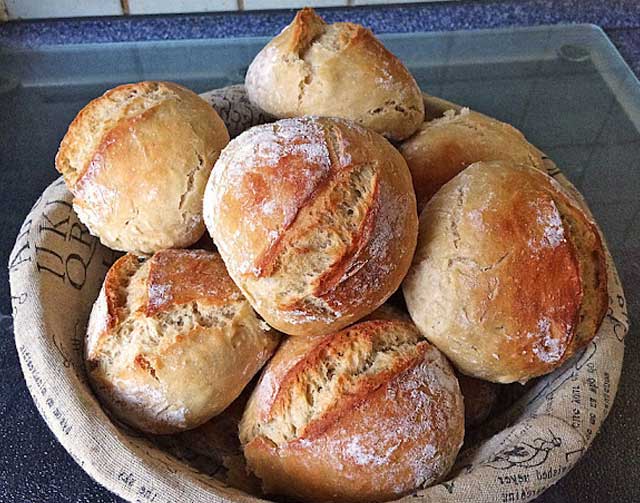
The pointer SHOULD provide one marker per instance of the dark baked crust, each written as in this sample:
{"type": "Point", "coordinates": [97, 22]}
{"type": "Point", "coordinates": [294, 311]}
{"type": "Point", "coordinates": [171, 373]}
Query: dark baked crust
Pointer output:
{"type": "Point", "coordinates": [115, 284]}
{"type": "Point", "coordinates": [593, 272]}
{"type": "Point", "coordinates": [479, 399]}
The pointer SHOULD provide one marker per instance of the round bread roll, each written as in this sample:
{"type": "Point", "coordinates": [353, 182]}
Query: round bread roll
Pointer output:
{"type": "Point", "coordinates": [171, 342]}
{"type": "Point", "coordinates": [315, 68]}
{"type": "Point", "coordinates": [366, 414]}
{"type": "Point", "coordinates": [137, 160]}
{"type": "Point", "coordinates": [509, 275]}
{"type": "Point", "coordinates": [479, 399]}
{"type": "Point", "coordinates": [443, 147]}
{"type": "Point", "coordinates": [315, 219]}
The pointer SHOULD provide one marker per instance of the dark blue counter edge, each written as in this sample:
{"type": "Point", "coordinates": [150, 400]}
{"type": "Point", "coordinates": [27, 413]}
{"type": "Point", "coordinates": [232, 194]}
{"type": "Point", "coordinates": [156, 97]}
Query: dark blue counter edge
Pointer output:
{"type": "Point", "coordinates": [399, 18]}
{"type": "Point", "coordinates": [620, 19]}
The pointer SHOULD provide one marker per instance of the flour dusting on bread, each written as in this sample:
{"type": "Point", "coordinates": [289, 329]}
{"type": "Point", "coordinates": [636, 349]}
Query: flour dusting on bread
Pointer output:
{"type": "Point", "coordinates": [171, 341]}
{"type": "Point", "coordinates": [314, 218]}
{"type": "Point", "coordinates": [313, 68]}
{"type": "Point", "coordinates": [368, 413]}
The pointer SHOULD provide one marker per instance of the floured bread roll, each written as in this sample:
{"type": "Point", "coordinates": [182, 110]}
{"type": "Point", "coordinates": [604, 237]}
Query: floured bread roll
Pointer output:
{"type": "Point", "coordinates": [137, 160]}
{"type": "Point", "coordinates": [315, 219]}
{"type": "Point", "coordinates": [337, 70]}
{"type": "Point", "coordinates": [509, 278]}
{"type": "Point", "coordinates": [443, 147]}
{"type": "Point", "coordinates": [171, 341]}
{"type": "Point", "coordinates": [366, 414]}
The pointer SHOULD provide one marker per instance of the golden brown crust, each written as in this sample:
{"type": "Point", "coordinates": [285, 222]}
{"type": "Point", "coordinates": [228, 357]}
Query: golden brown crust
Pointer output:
{"type": "Point", "coordinates": [443, 147]}
{"type": "Point", "coordinates": [173, 281]}
{"type": "Point", "coordinates": [507, 142]}
{"type": "Point", "coordinates": [499, 268]}
{"type": "Point", "coordinates": [329, 349]}
{"type": "Point", "coordinates": [383, 415]}
{"type": "Point", "coordinates": [73, 169]}
{"type": "Point", "coordinates": [137, 159]}
{"type": "Point", "coordinates": [166, 349]}
{"type": "Point", "coordinates": [312, 68]}
{"type": "Point", "coordinates": [534, 258]}
{"type": "Point", "coordinates": [117, 276]}
{"type": "Point", "coordinates": [306, 26]}
{"type": "Point", "coordinates": [592, 264]}
{"type": "Point", "coordinates": [315, 220]}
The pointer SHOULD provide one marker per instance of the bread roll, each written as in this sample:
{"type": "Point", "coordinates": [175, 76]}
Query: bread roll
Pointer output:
{"type": "Point", "coordinates": [315, 219]}
{"type": "Point", "coordinates": [443, 147]}
{"type": "Point", "coordinates": [338, 70]}
{"type": "Point", "coordinates": [137, 160]}
{"type": "Point", "coordinates": [366, 414]}
{"type": "Point", "coordinates": [509, 274]}
{"type": "Point", "coordinates": [171, 341]}
{"type": "Point", "coordinates": [479, 396]}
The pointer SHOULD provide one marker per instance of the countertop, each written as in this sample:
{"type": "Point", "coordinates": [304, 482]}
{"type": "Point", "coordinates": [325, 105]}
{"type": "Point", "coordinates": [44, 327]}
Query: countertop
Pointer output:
{"type": "Point", "coordinates": [619, 18]}
{"type": "Point", "coordinates": [34, 467]}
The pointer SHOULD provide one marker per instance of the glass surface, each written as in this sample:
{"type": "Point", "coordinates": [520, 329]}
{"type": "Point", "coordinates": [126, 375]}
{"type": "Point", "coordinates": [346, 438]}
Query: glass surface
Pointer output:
{"type": "Point", "coordinates": [565, 87]}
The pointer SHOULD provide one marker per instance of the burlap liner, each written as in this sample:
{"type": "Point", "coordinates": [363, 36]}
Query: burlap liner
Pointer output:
{"type": "Point", "coordinates": [56, 269]}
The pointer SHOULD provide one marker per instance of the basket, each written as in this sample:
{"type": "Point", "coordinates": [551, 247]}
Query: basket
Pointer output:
{"type": "Point", "coordinates": [57, 268]}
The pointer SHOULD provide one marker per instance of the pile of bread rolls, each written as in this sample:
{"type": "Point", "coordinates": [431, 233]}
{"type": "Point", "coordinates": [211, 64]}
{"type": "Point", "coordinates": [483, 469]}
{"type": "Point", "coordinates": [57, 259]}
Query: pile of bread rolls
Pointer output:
{"type": "Point", "coordinates": [315, 222]}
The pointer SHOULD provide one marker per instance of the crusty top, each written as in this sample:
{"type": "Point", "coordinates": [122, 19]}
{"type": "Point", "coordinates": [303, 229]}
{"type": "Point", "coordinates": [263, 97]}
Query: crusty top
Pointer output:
{"type": "Point", "coordinates": [498, 267]}
{"type": "Point", "coordinates": [313, 68]}
{"type": "Point", "coordinates": [365, 414]}
{"type": "Point", "coordinates": [443, 147]}
{"type": "Point", "coordinates": [137, 160]}
{"type": "Point", "coordinates": [169, 279]}
{"type": "Point", "coordinates": [315, 219]}
{"type": "Point", "coordinates": [178, 277]}
{"type": "Point", "coordinates": [338, 369]}
{"type": "Point", "coordinates": [171, 341]}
